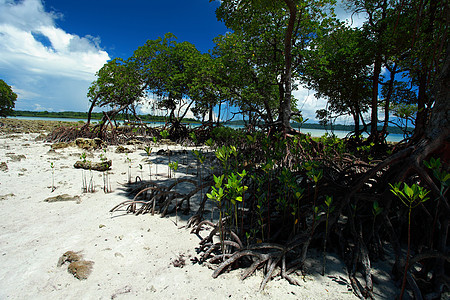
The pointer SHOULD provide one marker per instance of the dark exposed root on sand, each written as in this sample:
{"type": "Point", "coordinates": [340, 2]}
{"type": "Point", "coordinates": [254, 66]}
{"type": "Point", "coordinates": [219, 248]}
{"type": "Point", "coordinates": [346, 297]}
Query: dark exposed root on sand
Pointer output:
{"type": "Point", "coordinates": [151, 197]}
{"type": "Point", "coordinates": [270, 257]}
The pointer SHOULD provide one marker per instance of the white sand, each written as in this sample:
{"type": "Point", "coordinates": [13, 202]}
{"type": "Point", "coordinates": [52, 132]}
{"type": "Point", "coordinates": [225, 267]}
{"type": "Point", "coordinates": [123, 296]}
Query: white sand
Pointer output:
{"type": "Point", "coordinates": [132, 255]}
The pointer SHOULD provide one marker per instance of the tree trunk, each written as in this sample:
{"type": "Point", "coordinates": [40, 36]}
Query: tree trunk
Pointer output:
{"type": "Point", "coordinates": [374, 105]}
{"type": "Point", "coordinates": [439, 125]}
{"type": "Point", "coordinates": [387, 101]}
{"type": "Point", "coordinates": [285, 101]}
{"type": "Point", "coordinates": [421, 118]}
{"type": "Point", "coordinates": [355, 113]}
{"type": "Point", "coordinates": [94, 101]}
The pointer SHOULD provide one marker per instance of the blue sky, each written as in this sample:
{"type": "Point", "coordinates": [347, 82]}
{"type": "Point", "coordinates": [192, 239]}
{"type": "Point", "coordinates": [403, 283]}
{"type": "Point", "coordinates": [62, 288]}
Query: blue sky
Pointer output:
{"type": "Point", "coordinates": [122, 26]}
{"type": "Point", "coordinates": [50, 50]}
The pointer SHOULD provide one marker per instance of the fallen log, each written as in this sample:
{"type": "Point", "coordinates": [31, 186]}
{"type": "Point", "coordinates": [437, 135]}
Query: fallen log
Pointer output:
{"type": "Point", "coordinates": [96, 166]}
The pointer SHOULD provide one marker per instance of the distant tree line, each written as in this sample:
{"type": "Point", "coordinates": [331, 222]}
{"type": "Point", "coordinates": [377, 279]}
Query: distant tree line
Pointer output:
{"type": "Point", "coordinates": [95, 116]}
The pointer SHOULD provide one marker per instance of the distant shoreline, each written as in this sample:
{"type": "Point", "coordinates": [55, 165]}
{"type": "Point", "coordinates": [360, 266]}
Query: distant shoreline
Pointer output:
{"type": "Point", "coordinates": [82, 116]}
{"type": "Point", "coordinates": [53, 123]}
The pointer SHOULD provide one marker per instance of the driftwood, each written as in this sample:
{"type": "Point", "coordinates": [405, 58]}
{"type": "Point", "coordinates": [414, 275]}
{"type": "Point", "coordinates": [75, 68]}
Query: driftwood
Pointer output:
{"type": "Point", "coordinates": [98, 166]}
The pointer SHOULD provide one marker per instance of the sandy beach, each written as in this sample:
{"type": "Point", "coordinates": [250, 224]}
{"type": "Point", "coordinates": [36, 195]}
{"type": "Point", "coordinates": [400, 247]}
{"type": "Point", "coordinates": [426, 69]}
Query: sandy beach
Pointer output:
{"type": "Point", "coordinates": [133, 256]}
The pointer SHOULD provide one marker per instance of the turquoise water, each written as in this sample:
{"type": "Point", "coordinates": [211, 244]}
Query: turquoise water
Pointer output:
{"type": "Point", "coordinates": [343, 134]}
{"type": "Point", "coordinates": [313, 132]}
{"type": "Point", "coordinates": [49, 119]}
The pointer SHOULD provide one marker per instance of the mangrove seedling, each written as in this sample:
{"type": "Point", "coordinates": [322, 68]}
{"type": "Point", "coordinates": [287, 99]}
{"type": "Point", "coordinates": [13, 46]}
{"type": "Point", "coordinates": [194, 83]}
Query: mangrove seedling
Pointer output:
{"type": "Point", "coordinates": [298, 195]}
{"type": "Point", "coordinates": [174, 166]}
{"type": "Point", "coordinates": [315, 174]}
{"type": "Point", "coordinates": [53, 176]}
{"type": "Point", "coordinates": [83, 174]}
{"type": "Point", "coordinates": [411, 197]}
{"type": "Point", "coordinates": [376, 210]}
{"type": "Point", "coordinates": [106, 183]}
{"type": "Point", "coordinates": [444, 179]}
{"type": "Point", "coordinates": [235, 192]}
{"type": "Point", "coordinates": [217, 194]}
{"type": "Point", "coordinates": [441, 175]}
{"type": "Point", "coordinates": [140, 170]}
{"type": "Point", "coordinates": [193, 138]}
{"type": "Point", "coordinates": [148, 151]}
{"type": "Point", "coordinates": [329, 209]}
{"type": "Point", "coordinates": [91, 187]}
{"type": "Point", "coordinates": [261, 198]}
{"type": "Point", "coordinates": [129, 167]}
{"type": "Point", "coordinates": [164, 134]}
{"type": "Point", "coordinates": [210, 143]}
{"type": "Point", "coordinates": [200, 160]}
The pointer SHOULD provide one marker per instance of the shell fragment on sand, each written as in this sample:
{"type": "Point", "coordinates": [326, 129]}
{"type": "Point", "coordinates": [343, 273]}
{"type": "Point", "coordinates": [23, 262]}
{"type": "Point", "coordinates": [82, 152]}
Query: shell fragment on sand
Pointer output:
{"type": "Point", "coordinates": [79, 268]}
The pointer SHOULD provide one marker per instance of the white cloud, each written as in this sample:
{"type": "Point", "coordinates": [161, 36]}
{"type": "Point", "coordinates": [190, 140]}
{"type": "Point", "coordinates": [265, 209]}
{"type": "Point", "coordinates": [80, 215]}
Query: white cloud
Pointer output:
{"type": "Point", "coordinates": [308, 104]}
{"type": "Point", "coordinates": [149, 105]}
{"type": "Point", "coordinates": [345, 14]}
{"type": "Point", "coordinates": [48, 66]}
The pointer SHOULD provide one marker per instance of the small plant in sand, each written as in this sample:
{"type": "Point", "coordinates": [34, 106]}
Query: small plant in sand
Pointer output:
{"type": "Point", "coordinates": [411, 197]}
{"type": "Point", "coordinates": [210, 143]}
{"type": "Point", "coordinates": [128, 160]}
{"type": "Point", "coordinates": [193, 137]}
{"type": "Point", "coordinates": [439, 173]}
{"type": "Point", "coordinates": [165, 135]}
{"type": "Point", "coordinates": [141, 171]}
{"type": "Point", "coordinates": [106, 182]}
{"type": "Point", "coordinates": [155, 141]}
{"type": "Point", "coordinates": [83, 173]}
{"type": "Point", "coordinates": [329, 209]}
{"type": "Point", "coordinates": [314, 174]}
{"type": "Point", "coordinates": [217, 194]}
{"type": "Point", "coordinates": [91, 187]}
{"type": "Point", "coordinates": [148, 151]}
{"type": "Point", "coordinates": [53, 176]}
{"type": "Point", "coordinates": [174, 166]}
{"type": "Point", "coordinates": [235, 193]}
{"type": "Point", "coordinates": [443, 177]}
{"type": "Point", "coordinates": [87, 188]}
{"type": "Point", "coordinates": [200, 160]}
{"type": "Point", "coordinates": [261, 198]}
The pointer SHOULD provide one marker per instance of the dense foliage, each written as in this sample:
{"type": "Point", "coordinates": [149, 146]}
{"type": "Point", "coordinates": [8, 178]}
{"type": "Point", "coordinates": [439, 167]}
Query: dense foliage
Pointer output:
{"type": "Point", "coordinates": [7, 99]}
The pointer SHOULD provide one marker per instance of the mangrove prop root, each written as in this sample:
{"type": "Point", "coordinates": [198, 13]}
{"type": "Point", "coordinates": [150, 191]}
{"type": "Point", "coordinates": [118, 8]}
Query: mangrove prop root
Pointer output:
{"type": "Point", "coordinates": [163, 195]}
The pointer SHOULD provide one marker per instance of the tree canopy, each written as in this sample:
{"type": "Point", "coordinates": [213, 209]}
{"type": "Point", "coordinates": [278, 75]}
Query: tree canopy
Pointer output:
{"type": "Point", "coordinates": [7, 99]}
{"type": "Point", "coordinates": [275, 45]}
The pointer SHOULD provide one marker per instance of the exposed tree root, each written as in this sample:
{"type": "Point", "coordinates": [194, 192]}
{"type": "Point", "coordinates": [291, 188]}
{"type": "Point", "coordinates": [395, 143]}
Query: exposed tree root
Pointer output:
{"type": "Point", "coordinates": [270, 256]}
{"type": "Point", "coordinates": [153, 195]}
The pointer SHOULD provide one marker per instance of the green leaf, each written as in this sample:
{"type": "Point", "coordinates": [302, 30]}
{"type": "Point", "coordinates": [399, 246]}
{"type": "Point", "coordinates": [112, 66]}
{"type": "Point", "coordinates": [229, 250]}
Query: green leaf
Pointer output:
{"type": "Point", "coordinates": [409, 192]}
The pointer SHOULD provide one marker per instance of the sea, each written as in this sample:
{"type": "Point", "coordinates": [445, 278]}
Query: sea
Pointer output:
{"type": "Point", "coordinates": [312, 132]}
